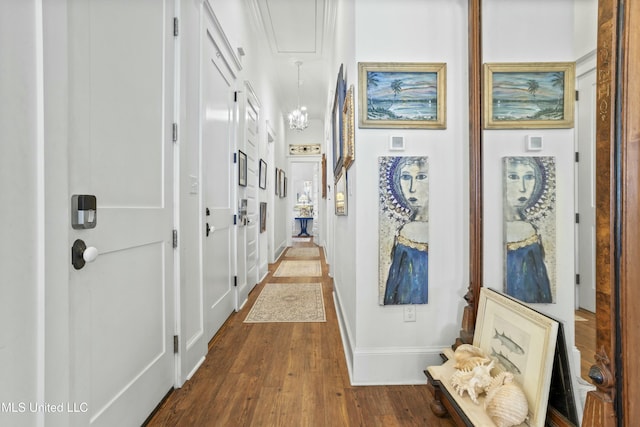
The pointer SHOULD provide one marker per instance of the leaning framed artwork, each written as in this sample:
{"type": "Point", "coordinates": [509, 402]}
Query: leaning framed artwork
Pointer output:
{"type": "Point", "coordinates": [529, 95]}
{"type": "Point", "coordinates": [242, 169]}
{"type": "Point", "coordinates": [523, 341]}
{"type": "Point", "coordinates": [402, 95]}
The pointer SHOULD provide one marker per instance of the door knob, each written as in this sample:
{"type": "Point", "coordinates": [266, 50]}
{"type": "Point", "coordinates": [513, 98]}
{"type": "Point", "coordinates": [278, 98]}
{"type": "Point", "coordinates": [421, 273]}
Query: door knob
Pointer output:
{"type": "Point", "coordinates": [90, 254]}
{"type": "Point", "coordinates": [81, 254]}
{"type": "Point", "coordinates": [208, 229]}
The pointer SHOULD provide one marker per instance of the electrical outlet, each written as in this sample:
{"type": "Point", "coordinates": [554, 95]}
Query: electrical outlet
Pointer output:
{"type": "Point", "coordinates": [410, 313]}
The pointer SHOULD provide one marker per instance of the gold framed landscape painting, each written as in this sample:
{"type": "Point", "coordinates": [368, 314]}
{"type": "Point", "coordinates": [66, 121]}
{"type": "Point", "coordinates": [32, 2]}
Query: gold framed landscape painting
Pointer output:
{"type": "Point", "coordinates": [529, 95]}
{"type": "Point", "coordinates": [402, 95]}
{"type": "Point", "coordinates": [523, 341]}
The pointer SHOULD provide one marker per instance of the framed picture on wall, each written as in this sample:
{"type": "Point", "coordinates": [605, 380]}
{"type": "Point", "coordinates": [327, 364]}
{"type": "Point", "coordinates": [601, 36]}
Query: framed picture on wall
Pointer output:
{"type": "Point", "coordinates": [336, 123]}
{"type": "Point", "coordinates": [281, 183]}
{"type": "Point", "coordinates": [348, 129]}
{"type": "Point", "coordinates": [242, 169]}
{"type": "Point", "coordinates": [263, 174]}
{"type": "Point", "coordinates": [276, 182]}
{"type": "Point", "coordinates": [341, 196]}
{"type": "Point", "coordinates": [263, 217]}
{"type": "Point", "coordinates": [402, 95]}
{"type": "Point", "coordinates": [529, 95]}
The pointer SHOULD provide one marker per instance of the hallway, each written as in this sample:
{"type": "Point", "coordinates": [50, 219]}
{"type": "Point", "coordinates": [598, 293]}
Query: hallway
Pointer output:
{"type": "Point", "coordinates": [287, 374]}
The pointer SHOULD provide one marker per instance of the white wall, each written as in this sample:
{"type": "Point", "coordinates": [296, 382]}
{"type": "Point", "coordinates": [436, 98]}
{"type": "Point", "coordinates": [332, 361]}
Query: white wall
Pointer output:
{"type": "Point", "coordinates": [381, 348]}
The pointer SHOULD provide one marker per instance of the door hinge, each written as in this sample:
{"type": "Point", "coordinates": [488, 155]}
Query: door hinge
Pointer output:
{"type": "Point", "coordinates": [235, 96]}
{"type": "Point", "coordinates": [235, 281]}
{"type": "Point", "coordinates": [235, 219]}
{"type": "Point", "coordinates": [577, 157]}
{"type": "Point", "coordinates": [577, 95]}
{"type": "Point", "coordinates": [175, 132]}
{"type": "Point", "coordinates": [235, 158]}
{"type": "Point", "coordinates": [176, 27]}
{"type": "Point", "coordinates": [577, 279]}
{"type": "Point", "coordinates": [175, 239]}
{"type": "Point", "coordinates": [577, 218]}
{"type": "Point", "coordinates": [176, 344]}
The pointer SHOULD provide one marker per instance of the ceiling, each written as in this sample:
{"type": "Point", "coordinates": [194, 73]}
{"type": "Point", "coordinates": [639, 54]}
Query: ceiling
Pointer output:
{"type": "Point", "coordinates": [299, 30]}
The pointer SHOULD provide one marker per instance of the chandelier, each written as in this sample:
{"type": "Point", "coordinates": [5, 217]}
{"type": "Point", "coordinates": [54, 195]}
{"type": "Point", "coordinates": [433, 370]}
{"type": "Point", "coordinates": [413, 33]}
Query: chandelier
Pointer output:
{"type": "Point", "coordinates": [298, 118]}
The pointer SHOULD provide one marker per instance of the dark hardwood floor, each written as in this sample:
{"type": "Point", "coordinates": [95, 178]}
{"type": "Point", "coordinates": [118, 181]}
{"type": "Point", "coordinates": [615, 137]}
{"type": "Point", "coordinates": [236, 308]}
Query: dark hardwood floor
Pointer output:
{"type": "Point", "coordinates": [287, 374]}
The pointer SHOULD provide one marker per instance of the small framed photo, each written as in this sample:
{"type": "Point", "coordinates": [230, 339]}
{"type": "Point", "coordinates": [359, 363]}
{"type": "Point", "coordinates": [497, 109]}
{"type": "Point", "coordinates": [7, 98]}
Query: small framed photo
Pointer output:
{"type": "Point", "coordinates": [523, 341]}
{"type": "Point", "coordinates": [263, 174]}
{"type": "Point", "coordinates": [282, 184]}
{"type": "Point", "coordinates": [276, 182]}
{"type": "Point", "coordinates": [529, 95]}
{"type": "Point", "coordinates": [402, 95]}
{"type": "Point", "coordinates": [242, 169]}
{"type": "Point", "coordinates": [341, 197]}
{"type": "Point", "coordinates": [263, 217]}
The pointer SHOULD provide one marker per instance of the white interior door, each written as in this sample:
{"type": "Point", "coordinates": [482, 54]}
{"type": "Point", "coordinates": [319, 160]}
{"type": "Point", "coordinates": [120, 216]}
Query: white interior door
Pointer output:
{"type": "Point", "coordinates": [586, 235]}
{"type": "Point", "coordinates": [251, 120]}
{"type": "Point", "coordinates": [120, 150]}
{"type": "Point", "coordinates": [217, 149]}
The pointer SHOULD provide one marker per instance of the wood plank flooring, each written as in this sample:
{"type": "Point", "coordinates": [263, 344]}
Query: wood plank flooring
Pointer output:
{"type": "Point", "coordinates": [586, 340]}
{"type": "Point", "coordinates": [287, 374]}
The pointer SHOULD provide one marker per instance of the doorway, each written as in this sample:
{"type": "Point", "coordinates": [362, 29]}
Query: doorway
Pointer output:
{"type": "Point", "coordinates": [304, 200]}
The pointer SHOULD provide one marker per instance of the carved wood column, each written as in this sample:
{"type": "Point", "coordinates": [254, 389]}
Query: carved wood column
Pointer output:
{"type": "Point", "coordinates": [627, 369]}
{"type": "Point", "coordinates": [599, 408]}
{"type": "Point", "coordinates": [475, 173]}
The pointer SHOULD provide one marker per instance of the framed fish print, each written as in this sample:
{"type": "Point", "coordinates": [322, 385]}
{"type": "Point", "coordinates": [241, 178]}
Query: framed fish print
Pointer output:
{"type": "Point", "coordinates": [529, 95]}
{"type": "Point", "coordinates": [402, 95]}
{"type": "Point", "coordinates": [523, 342]}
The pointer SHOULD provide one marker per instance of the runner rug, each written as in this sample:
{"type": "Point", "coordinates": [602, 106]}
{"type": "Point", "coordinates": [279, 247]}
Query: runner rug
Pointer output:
{"type": "Point", "coordinates": [301, 239]}
{"type": "Point", "coordinates": [298, 269]}
{"type": "Point", "coordinates": [288, 302]}
{"type": "Point", "coordinates": [302, 253]}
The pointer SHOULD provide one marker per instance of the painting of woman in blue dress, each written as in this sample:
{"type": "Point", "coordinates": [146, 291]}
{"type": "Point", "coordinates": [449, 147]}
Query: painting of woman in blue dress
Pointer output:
{"type": "Point", "coordinates": [529, 187]}
{"type": "Point", "coordinates": [404, 197]}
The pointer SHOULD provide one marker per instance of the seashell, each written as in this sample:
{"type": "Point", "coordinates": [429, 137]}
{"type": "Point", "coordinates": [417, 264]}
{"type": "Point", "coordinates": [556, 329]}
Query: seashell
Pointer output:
{"type": "Point", "coordinates": [467, 357]}
{"type": "Point", "coordinates": [474, 381]}
{"type": "Point", "coordinates": [506, 403]}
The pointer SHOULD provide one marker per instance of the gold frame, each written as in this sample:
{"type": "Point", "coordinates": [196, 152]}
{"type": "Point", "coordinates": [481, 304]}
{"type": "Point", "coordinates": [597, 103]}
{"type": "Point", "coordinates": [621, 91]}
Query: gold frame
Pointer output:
{"type": "Point", "coordinates": [567, 121]}
{"type": "Point", "coordinates": [502, 319]}
{"type": "Point", "coordinates": [407, 67]}
{"type": "Point", "coordinates": [348, 130]}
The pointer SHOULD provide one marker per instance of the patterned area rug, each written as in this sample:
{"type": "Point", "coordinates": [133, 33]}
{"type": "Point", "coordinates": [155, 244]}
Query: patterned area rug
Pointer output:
{"type": "Point", "coordinates": [298, 269]}
{"type": "Point", "coordinates": [303, 253]}
{"type": "Point", "coordinates": [288, 302]}
{"type": "Point", "coordinates": [301, 239]}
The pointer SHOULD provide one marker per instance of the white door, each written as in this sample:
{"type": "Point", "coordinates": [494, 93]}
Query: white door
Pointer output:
{"type": "Point", "coordinates": [586, 235]}
{"type": "Point", "coordinates": [217, 126]}
{"type": "Point", "coordinates": [251, 110]}
{"type": "Point", "coordinates": [121, 150]}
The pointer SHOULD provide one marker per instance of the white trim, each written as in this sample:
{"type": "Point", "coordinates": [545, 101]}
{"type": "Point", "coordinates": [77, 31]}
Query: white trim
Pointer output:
{"type": "Point", "coordinates": [176, 202]}
{"type": "Point", "coordinates": [40, 210]}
